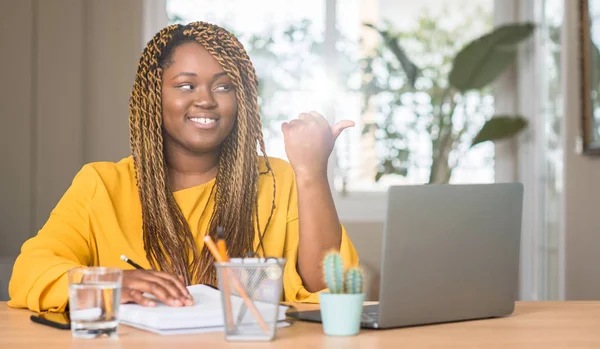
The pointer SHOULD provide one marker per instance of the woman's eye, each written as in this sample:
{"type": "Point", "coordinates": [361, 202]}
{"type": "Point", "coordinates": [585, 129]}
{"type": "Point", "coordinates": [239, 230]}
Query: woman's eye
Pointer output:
{"type": "Point", "coordinates": [185, 87]}
{"type": "Point", "coordinates": [223, 88]}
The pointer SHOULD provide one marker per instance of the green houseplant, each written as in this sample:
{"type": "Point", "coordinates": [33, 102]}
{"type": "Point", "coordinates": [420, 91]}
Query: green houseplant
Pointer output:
{"type": "Point", "coordinates": [448, 85]}
{"type": "Point", "coordinates": [341, 307]}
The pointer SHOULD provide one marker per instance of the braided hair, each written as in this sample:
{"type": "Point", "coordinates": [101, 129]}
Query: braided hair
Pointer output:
{"type": "Point", "coordinates": [168, 241]}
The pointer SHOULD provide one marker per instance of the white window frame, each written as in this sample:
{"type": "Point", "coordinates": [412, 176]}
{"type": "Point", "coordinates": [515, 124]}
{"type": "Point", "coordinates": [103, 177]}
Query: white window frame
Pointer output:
{"type": "Point", "coordinates": [523, 160]}
{"type": "Point", "coordinates": [154, 18]}
{"type": "Point", "coordinates": [513, 157]}
{"type": "Point", "coordinates": [353, 206]}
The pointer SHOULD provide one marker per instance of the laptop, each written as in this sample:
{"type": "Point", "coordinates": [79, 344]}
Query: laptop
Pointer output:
{"type": "Point", "coordinates": [450, 253]}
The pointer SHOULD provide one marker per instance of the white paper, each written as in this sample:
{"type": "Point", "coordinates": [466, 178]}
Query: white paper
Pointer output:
{"type": "Point", "coordinates": [206, 315]}
{"type": "Point", "coordinates": [280, 324]}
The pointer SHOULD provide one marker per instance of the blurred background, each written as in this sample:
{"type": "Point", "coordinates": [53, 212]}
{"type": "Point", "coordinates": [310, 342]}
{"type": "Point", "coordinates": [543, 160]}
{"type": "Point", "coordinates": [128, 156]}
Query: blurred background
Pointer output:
{"type": "Point", "coordinates": [442, 91]}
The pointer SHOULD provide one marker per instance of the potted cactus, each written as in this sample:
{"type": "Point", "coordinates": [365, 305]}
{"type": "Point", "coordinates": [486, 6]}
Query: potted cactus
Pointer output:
{"type": "Point", "coordinates": [341, 307]}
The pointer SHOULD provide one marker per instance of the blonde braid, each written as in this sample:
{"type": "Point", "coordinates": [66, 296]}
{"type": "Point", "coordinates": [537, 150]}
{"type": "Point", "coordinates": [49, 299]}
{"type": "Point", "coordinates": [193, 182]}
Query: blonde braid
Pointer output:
{"type": "Point", "coordinates": [168, 240]}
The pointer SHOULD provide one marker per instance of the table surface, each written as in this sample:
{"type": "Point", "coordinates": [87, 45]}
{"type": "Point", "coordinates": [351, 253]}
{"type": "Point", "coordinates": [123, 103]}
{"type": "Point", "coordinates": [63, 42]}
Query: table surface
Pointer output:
{"type": "Point", "coordinates": [532, 325]}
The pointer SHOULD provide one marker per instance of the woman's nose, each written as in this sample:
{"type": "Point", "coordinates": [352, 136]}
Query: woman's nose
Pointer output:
{"type": "Point", "coordinates": [205, 99]}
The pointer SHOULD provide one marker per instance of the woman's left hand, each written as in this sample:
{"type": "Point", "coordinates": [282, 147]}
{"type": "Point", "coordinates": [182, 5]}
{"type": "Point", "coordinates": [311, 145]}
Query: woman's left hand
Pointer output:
{"type": "Point", "coordinates": [309, 141]}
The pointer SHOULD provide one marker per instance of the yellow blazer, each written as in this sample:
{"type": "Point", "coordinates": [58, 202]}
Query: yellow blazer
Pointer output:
{"type": "Point", "coordinates": [99, 218]}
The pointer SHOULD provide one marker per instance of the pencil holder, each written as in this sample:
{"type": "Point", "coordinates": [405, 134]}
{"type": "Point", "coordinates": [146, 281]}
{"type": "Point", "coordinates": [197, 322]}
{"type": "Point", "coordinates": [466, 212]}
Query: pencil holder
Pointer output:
{"type": "Point", "coordinates": [251, 290]}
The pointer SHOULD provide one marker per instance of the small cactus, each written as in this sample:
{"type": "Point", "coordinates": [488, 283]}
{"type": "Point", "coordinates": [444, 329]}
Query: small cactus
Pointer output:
{"type": "Point", "coordinates": [354, 280]}
{"type": "Point", "coordinates": [333, 268]}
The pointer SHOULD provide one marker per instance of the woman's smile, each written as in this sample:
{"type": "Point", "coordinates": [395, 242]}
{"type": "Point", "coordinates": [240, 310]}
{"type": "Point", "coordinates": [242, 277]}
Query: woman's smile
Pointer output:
{"type": "Point", "coordinates": [204, 122]}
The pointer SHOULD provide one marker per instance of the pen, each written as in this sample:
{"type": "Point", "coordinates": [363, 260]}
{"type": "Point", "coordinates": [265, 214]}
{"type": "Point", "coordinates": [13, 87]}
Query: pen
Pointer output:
{"type": "Point", "coordinates": [215, 252]}
{"type": "Point", "coordinates": [221, 243]}
{"type": "Point", "coordinates": [130, 262]}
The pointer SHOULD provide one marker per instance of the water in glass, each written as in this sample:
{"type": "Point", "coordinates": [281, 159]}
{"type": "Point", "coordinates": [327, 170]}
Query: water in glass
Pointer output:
{"type": "Point", "coordinates": [94, 305]}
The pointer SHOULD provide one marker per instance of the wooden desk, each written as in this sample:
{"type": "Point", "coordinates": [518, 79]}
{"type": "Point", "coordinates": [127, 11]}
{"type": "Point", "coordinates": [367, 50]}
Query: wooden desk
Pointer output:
{"type": "Point", "coordinates": [533, 325]}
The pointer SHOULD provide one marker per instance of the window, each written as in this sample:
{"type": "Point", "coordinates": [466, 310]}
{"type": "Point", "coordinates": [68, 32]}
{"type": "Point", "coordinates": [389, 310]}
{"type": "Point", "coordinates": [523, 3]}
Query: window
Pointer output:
{"type": "Point", "coordinates": [540, 166]}
{"type": "Point", "coordinates": [431, 33]}
{"type": "Point", "coordinates": [534, 91]}
{"type": "Point", "coordinates": [299, 70]}
{"type": "Point", "coordinates": [550, 16]}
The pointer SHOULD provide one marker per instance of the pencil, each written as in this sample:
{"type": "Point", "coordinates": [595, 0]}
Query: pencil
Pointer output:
{"type": "Point", "coordinates": [222, 246]}
{"type": "Point", "coordinates": [215, 252]}
{"type": "Point", "coordinates": [130, 262]}
{"type": "Point", "coordinates": [221, 243]}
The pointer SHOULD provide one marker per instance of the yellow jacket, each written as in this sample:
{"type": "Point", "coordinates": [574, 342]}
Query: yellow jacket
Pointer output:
{"type": "Point", "coordinates": [99, 218]}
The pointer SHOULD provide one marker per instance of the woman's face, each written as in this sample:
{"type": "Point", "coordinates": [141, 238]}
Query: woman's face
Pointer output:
{"type": "Point", "coordinates": [198, 101]}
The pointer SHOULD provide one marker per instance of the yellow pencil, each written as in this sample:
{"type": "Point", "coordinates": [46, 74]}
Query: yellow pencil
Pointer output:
{"type": "Point", "coordinates": [221, 245]}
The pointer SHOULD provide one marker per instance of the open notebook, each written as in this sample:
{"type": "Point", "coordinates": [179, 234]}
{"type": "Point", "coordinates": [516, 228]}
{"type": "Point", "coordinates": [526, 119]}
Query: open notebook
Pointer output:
{"type": "Point", "coordinates": [206, 315]}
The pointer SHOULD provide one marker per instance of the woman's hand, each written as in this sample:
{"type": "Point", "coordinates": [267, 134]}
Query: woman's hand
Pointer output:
{"type": "Point", "coordinates": [309, 141]}
{"type": "Point", "coordinates": [167, 288]}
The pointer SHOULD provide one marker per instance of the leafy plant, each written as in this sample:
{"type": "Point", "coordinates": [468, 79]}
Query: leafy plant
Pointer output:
{"type": "Point", "coordinates": [441, 95]}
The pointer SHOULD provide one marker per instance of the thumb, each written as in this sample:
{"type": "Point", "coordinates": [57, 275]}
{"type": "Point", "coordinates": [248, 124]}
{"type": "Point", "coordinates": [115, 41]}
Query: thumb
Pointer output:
{"type": "Point", "coordinates": [341, 126]}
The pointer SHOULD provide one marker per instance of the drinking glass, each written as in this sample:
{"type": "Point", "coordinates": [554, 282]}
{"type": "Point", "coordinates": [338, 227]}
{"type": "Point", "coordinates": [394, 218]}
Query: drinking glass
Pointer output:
{"type": "Point", "coordinates": [94, 297]}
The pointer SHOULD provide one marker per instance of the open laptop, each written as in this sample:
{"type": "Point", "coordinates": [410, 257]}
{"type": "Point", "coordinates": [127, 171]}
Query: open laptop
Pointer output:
{"type": "Point", "coordinates": [450, 253]}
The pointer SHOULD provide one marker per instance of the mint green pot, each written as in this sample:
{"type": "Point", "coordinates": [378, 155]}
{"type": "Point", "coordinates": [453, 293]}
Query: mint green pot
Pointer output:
{"type": "Point", "coordinates": [340, 313]}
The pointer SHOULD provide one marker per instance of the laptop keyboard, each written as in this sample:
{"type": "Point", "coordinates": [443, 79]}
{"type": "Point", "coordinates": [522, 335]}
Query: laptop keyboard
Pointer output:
{"type": "Point", "coordinates": [369, 317]}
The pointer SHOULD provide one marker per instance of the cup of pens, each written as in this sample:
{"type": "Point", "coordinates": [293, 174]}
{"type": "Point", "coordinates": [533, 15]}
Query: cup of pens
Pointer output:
{"type": "Point", "coordinates": [250, 294]}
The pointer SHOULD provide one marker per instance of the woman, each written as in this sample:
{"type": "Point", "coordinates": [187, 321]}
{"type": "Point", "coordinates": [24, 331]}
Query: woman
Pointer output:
{"type": "Point", "coordinates": [194, 130]}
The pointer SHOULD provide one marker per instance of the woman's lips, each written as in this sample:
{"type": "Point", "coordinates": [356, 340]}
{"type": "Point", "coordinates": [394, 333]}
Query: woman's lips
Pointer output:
{"type": "Point", "coordinates": [204, 123]}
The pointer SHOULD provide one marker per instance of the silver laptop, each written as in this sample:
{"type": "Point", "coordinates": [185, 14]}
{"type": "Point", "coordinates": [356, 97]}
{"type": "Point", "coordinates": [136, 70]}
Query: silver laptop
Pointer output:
{"type": "Point", "coordinates": [450, 253]}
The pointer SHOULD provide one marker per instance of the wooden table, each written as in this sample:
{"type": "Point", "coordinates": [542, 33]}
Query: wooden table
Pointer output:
{"type": "Point", "coordinates": [533, 325]}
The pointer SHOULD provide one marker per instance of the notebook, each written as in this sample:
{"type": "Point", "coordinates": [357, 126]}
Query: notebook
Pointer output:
{"type": "Point", "coordinates": [206, 315]}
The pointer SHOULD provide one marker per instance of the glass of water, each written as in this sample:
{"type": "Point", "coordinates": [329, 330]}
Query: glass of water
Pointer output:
{"type": "Point", "coordinates": [94, 297]}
